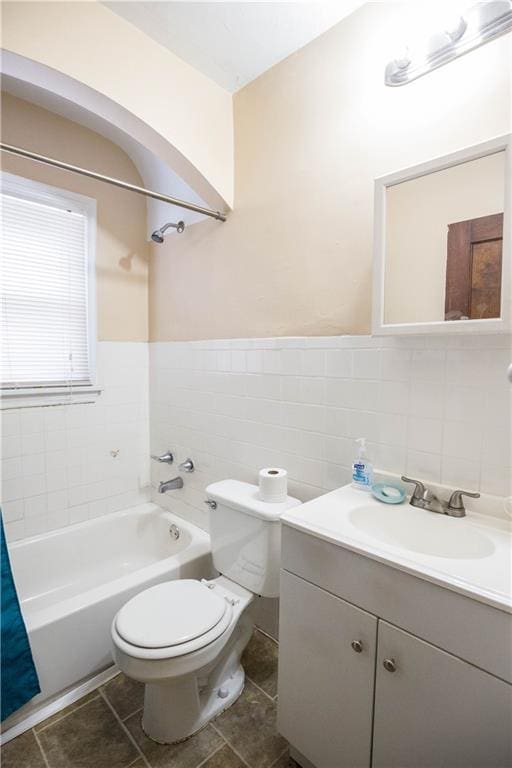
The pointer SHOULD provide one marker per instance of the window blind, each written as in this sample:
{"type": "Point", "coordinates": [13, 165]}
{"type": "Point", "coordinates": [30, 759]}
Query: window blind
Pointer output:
{"type": "Point", "coordinates": [44, 292]}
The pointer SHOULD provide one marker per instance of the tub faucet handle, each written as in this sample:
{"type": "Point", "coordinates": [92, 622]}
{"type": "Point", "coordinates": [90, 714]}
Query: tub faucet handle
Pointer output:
{"type": "Point", "coordinates": [186, 466]}
{"type": "Point", "coordinates": [165, 458]}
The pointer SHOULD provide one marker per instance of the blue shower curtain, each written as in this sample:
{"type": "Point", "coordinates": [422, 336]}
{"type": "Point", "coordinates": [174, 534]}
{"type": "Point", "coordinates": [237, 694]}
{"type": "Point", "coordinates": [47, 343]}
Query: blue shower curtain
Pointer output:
{"type": "Point", "coordinates": [19, 676]}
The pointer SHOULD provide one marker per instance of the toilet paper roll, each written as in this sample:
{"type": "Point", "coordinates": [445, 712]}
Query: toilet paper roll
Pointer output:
{"type": "Point", "coordinates": [273, 484]}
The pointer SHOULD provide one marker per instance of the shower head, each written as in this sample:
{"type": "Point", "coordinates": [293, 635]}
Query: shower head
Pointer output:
{"type": "Point", "coordinates": [158, 234]}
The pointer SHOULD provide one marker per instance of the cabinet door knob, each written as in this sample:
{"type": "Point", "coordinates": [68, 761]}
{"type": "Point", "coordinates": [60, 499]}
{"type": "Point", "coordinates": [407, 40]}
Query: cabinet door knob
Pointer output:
{"type": "Point", "coordinates": [389, 665]}
{"type": "Point", "coordinates": [357, 646]}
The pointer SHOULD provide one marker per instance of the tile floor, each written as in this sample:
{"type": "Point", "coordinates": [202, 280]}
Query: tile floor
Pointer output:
{"type": "Point", "coordinates": [102, 730]}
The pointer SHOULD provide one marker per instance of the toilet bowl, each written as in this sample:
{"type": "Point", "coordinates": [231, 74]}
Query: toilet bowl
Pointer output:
{"type": "Point", "coordinates": [184, 638]}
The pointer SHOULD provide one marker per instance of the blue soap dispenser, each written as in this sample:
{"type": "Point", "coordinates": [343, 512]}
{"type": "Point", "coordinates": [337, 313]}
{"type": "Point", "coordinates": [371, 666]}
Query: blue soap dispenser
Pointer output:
{"type": "Point", "coordinates": [362, 469]}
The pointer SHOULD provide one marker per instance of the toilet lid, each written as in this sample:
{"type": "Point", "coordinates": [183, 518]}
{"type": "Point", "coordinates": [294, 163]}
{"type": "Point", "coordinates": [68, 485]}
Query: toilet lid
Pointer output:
{"type": "Point", "coordinates": [170, 614]}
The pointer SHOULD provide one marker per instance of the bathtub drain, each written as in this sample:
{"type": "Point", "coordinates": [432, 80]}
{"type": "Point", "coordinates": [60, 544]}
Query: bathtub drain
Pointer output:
{"type": "Point", "coordinates": [174, 532]}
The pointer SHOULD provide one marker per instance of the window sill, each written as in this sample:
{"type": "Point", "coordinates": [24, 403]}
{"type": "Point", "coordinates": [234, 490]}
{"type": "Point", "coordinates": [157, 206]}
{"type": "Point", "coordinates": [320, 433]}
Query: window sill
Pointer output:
{"type": "Point", "coordinates": [39, 398]}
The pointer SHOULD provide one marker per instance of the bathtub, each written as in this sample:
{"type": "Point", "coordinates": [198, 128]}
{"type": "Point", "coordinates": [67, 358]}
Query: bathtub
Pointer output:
{"type": "Point", "coordinates": [72, 581]}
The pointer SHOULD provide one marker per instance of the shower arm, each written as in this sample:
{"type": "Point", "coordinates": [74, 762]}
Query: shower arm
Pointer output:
{"type": "Point", "coordinates": [218, 215]}
{"type": "Point", "coordinates": [171, 225]}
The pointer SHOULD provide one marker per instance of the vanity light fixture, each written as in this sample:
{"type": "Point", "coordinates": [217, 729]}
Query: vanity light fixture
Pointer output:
{"type": "Point", "coordinates": [479, 24]}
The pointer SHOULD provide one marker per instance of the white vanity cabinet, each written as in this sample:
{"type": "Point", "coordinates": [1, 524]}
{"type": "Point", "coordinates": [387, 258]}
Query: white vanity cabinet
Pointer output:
{"type": "Point", "coordinates": [393, 700]}
{"type": "Point", "coordinates": [435, 710]}
{"type": "Point", "coordinates": [327, 654]}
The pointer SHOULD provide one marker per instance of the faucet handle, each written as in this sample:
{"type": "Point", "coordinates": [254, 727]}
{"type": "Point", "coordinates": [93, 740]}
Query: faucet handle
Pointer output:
{"type": "Point", "coordinates": [456, 503]}
{"type": "Point", "coordinates": [165, 458]}
{"type": "Point", "coordinates": [419, 488]}
{"type": "Point", "coordinates": [186, 466]}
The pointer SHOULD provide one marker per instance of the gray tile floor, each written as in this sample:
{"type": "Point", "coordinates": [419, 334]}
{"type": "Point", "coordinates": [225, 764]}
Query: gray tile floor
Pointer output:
{"type": "Point", "coordinates": [102, 730]}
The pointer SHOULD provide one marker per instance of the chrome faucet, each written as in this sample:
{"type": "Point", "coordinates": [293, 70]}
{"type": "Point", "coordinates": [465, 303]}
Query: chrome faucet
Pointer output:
{"type": "Point", "coordinates": [424, 498]}
{"type": "Point", "coordinates": [455, 507]}
{"type": "Point", "coordinates": [165, 458]}
{"type": "Point", "coordinates": [170, 485]}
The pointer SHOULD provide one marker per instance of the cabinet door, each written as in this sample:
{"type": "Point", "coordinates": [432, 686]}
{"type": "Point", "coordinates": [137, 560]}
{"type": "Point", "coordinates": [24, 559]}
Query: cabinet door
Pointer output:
{"type": "Point", "coordinates": [436, 711]}
{"type": "Point", "coordinates": [325, 686]}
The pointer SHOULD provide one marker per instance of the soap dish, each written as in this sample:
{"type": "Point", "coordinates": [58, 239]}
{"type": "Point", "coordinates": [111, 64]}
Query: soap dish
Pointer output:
{"type": "Point", "coordinates": [389, 493]}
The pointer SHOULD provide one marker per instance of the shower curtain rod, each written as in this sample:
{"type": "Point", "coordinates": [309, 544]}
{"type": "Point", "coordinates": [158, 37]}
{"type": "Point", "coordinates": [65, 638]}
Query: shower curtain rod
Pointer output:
{"type": "Point", "coordinates": [109, 180]}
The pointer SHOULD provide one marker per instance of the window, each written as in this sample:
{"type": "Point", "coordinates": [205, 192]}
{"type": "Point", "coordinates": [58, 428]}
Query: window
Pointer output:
{"type": "Point", "coordinates": [47, 290]}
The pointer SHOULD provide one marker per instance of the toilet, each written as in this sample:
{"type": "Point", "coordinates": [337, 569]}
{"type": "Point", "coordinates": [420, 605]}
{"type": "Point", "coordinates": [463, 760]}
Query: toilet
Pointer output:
{"type": "Point", "coordinates": [184, 638]}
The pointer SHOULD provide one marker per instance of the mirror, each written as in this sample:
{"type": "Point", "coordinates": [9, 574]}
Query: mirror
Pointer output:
{"type": "Point", "coordinates": [442, 244]}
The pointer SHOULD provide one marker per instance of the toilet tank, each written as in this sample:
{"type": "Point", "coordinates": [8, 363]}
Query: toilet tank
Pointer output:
{"type": "Point", "coordinates": [245, 534]}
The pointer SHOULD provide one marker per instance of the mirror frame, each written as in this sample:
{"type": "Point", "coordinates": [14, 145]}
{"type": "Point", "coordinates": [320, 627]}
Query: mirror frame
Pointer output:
{"type": "Point", "coordinates": [491, 325]}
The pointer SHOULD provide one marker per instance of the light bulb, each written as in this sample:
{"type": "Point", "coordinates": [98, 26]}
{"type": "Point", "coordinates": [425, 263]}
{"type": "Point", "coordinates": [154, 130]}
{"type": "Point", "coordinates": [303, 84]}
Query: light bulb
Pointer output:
{"type": "Point", "coordinates": [403, 60]}
{"type": "Point", "coordinates": [456, 28]}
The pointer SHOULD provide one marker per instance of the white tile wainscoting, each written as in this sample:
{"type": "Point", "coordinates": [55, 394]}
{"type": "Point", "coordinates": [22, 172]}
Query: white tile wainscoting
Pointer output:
{"type": "Point", "coordinates": [57, 465]}
{"type": "Point", "coordinates": [436, 408]}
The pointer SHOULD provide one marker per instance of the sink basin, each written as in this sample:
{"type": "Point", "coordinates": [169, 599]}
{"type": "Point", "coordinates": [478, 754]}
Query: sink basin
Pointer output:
{"type": "Point", "coordinates": [471, 555]}
{"type": "Point", "coordinates": [420, 531]}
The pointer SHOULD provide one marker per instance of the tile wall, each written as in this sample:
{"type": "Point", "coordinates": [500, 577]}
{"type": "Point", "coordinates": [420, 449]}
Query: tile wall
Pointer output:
{"type": "Point", "coordinates": [57, 463]}
{"type": "Point", "coordinates": [436, 408]}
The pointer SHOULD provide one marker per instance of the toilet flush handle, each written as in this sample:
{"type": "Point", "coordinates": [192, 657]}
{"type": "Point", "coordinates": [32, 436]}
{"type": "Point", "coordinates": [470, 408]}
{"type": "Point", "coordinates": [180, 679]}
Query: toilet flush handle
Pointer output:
{"type": "Point", "coordinates": [212, 504]}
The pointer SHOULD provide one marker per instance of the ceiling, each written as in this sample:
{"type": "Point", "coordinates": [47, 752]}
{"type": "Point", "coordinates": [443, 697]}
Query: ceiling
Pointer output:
{"type": "Point", "coordinates": [233, 43]}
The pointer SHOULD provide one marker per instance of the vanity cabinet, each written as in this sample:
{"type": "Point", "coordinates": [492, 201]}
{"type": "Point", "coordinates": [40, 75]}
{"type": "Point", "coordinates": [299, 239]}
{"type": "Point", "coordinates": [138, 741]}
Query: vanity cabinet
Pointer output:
{"type": "Point", "coordinates": [326, 671]}
{"type": "Point", "coordinates": [356, 691]}
{"type": "Point", "coordinates": [435, 710]}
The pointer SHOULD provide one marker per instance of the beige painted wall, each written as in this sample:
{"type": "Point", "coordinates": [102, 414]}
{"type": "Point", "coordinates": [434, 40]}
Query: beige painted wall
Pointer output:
{"type": "Point", "coordinates": [418, 213]}
{"type": "Point", "coordinates": [121, 249]}
{"type": "Point", "coordinates": [88, 42]}
{"type": "Point", "coordinates": [311, 134]}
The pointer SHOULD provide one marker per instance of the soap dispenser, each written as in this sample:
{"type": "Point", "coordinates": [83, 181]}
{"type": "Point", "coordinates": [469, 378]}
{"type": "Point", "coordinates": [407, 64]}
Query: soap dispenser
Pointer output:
{"type": "Point", "coordinates": [362, 469]}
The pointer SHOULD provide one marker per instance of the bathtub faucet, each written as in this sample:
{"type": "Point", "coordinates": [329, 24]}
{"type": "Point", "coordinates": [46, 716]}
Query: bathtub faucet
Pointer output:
{"type": "Point", "coordinates": [171, 485]}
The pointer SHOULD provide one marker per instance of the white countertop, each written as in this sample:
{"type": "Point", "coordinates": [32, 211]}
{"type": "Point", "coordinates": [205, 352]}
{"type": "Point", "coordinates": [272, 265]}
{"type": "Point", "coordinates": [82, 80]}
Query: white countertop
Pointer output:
{"type": "Point", "coordinates": [471, 555]}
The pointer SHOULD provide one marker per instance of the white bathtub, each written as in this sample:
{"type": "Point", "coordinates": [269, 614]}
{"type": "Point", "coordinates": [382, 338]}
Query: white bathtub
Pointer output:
{"type": "Point", "coordinates": [72, 581]}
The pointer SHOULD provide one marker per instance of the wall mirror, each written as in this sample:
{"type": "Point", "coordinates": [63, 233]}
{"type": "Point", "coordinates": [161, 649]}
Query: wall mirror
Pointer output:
{"type": "Point", "coordinates": [443, 244]}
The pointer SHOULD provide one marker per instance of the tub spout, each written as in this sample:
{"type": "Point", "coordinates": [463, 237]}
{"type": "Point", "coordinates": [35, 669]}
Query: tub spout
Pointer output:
{"type": "Point", "coordinates": [170, 485]}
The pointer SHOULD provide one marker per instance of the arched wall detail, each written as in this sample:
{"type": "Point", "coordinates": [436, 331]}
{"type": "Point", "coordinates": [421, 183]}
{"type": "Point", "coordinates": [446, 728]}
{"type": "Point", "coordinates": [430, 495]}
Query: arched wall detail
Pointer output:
{"type": "Point", "coordinates": [77, 50]}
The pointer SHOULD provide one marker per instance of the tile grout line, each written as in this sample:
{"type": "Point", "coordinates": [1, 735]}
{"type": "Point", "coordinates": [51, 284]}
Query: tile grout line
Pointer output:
{"type": "Point", "coordinates": [125, 729]}
{"type": "Point", "coordinates": [272, 698]}
{"type": "Point", "coordinates": [219, 732]}
{"type": "Point", "coordinates": [285, 750]}
{"type": "Point", "coordinates": [266, 634]}
{"type": "Point", "coordinates": [213, 753]}
{"type": "Point", "coordinates": [63, 717]}
{"type": "Point", "coordinates": [136, 760]}
{"type": "Point", "coordinates": [45, 759]}
{"type": "Point", "coordinates": [133, 762]}
{"type": "Point", "coordinates": [276, 643]}
{"type": "Point", "coordinates": [124, 719]}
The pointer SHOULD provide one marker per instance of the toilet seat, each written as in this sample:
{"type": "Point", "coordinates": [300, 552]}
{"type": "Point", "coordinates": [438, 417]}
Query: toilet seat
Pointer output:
{"type": "Point", "coordinates": [170, 614]}
{"type": "Point", "coordinates": [172, 619]}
